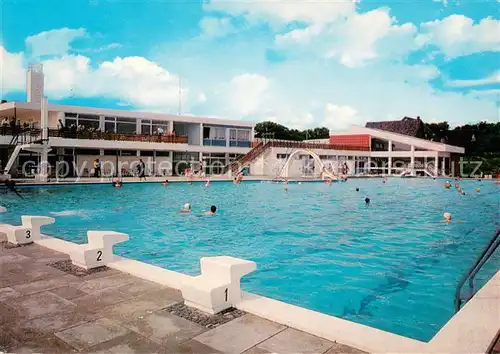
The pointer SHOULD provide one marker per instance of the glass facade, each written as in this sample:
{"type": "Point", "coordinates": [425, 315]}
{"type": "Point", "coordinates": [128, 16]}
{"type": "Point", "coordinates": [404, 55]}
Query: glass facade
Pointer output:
{"type": "Point", "coordinates": [218, 136]}
{"type": "Point", "coordinates": [79, 119]}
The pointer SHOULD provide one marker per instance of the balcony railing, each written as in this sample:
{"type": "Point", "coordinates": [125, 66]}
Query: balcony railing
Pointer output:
{"type": "Point", "coordinates": [95, 135]}
{"type": "Point", "coordinates": [232, 143]}
{"type": "Point", "coordinates": [214, 142]}
{"type": "Point", "coordinates": [240, 143]}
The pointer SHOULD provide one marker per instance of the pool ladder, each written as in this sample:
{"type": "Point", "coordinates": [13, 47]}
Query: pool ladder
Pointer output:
{"type": "Point", "coordinates": [469, 276]}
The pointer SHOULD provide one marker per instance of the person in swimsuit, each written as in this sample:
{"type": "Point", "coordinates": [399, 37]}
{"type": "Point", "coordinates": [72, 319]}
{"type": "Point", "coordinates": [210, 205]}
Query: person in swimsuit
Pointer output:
{"type": "Point", "coordinates": [212, 210]}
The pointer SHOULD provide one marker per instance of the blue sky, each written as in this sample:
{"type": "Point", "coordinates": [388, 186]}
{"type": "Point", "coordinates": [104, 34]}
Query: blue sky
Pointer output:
{"type": "Point", "coordinates": [300, 63]}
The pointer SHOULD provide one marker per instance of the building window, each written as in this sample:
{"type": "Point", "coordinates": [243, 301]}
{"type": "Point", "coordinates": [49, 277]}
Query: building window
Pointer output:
{"type": "Point", "coordinates": [159, 124]}
{"type": "Point", "coordinates": [126, 125]}
{"type": "Point", "coordinates": [145, 129]}
{"type": "Point", "coordinates": [86, 120]}
{"type": "Point", "coordinates": [244, 135]}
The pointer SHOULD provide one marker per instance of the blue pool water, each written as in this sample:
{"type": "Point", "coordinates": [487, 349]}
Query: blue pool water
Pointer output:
{"type": "Point", "coordinates": [392, 265]}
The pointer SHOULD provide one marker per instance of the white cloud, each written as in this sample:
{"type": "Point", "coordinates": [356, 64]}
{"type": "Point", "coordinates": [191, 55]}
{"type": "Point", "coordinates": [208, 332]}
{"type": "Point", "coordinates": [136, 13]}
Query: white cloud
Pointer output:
{"type": "Point", "coordinates": [212, 27]}
{"type": "Point", "coordinates": [134, 80]}
{"type": "Point", "coordinates": [353, 41]}
{"type": "Point", "coordinates": [99, 49]}
{"type": "Point", "coordinates": [340, 118]}
{"type": "Point", "coordinates": [246, 93]}
{"type": "Point", "coordinates": [457, 35]}
{"type": "Point", "coordinates": [12, 74]}
{"type": "Point", "coordinates": [492, 92]}
{"type": "Point", "coordinates": [370, 35]}
{"type": "Point", "coordinates": [202, 98]}
{"type": "Point", "coordinates": [285, 11]}
{"type": "Point", "coordinates": [54, 42]}
{"type": "Point", "coordinates": [493, 79]}
{"type": "Point", "coordinates": [299, 35]}
{"type": "Point", "coordinates": [293, 120]}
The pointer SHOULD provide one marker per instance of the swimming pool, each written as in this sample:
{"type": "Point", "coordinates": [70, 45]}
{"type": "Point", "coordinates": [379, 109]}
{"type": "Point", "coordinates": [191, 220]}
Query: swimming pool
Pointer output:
{"type": "Point", "coordinates": [392, 265]}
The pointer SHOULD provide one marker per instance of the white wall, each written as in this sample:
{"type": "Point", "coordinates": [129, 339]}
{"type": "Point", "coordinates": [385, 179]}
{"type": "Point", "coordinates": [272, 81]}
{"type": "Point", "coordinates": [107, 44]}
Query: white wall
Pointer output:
{"type": "Point", "coordinates": [194, 132]}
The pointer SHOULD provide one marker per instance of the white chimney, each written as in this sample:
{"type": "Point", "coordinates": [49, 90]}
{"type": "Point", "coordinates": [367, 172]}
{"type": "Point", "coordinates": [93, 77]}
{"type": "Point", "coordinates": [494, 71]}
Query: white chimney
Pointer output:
{"type": "Point", "coordinates": [34, 83]}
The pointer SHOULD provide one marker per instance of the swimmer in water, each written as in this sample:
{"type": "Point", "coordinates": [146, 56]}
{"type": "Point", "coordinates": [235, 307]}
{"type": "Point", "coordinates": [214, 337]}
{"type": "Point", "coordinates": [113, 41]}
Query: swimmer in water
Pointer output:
{"type": "Point", "coordinates": [212, 210]}
{"type": "Point", "coordinates": [186, 209]}
{"type": "Point", "coordinates": [117, 183]}
{"type": "Point", "coordinates": [208, 182]}
{"type": "Point", "coordinates": [447, 185]}
{"type": "Point", "coordinates": [357, 189]}
{"type": "Point", "coordinates": [447, 217]}
{"type": "Point", "coordinates": [478, 190]}
{"type": "Point", "coordinates": [3, 209]}
{"type": "Point", "coordinates": [165, 183]}
{"type": "Point", "coordinates": [367, 201]}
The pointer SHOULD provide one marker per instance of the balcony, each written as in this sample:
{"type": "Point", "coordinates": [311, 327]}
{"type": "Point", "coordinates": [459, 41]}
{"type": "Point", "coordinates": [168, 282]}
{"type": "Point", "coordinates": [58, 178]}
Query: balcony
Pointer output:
{"type": "Point", "coordinates": [214, 142]}
{"type": "Point", "coordinates": [96, 135]}
{"type": "Point", "coordinates": [240, 143]}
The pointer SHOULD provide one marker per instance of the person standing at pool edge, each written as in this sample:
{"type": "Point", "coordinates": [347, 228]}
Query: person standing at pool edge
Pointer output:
{"type": "Point", "coordinates": [97, 168]}
{"type": "Point", "coordinates": [141, 169]}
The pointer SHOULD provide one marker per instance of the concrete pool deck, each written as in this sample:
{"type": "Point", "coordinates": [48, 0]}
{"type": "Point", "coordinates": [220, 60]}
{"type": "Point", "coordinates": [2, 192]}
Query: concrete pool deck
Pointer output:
{"type": "Point", "coordinates": [216, 178]}
{"type": "Point", "coordinates": [45, 309]}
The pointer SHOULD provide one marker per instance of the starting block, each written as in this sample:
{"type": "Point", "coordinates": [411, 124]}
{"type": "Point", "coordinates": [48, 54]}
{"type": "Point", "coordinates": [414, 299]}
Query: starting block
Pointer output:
{"type": "Point", "coordinates": [98, 251]}
{"type": "Point", "coordinates": [28, 231]}
{"type": "Point", "coordinates": [218, 286]}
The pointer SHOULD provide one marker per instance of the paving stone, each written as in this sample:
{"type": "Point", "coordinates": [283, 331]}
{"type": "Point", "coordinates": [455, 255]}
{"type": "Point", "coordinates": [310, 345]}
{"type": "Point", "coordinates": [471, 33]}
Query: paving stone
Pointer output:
{"type": "Point", "coordinates": [138, 287]}
{"type": "Point", "coordinates": [292, 340]}
{"type": "Point", "coordinates": [51, 344]}
{"type": "Point", "coordinates": [8, 314]}
{"type": "Point", "coordinates": [189, 347]}
{"type": "Point", "coordinates": [163, 327]}
{"type": "Point", "coordinates": [68, 292]}
{"type": "Point", "coordinates": [12, 257]}
{"type": "Point", "coordinates": [92, 333]}
{"type": "Point", "coordinates": [130, 310]}
{"type": "Point", "coordinates": [162, 297]}
{"type": "Point", "coordinates": [129, 344]}
{"type": "Point", "coordinates": [102, 283]}
{"type": "Point", "coordinates": [45, 284]}
{"type": "Point", "coordinates": [43, 326]}
{"type": "Point", "coordinates": [343, 349]}
{"type": "Point", "coordinates": [18, 273]}
{"type": "Point", "coordinates": [5, 293]}
{"type": "Point", "coordinates": [239, 335]}
{"type": "Point", "coordinates": [256, 350]}
{"type": "Point", "coordinates": [99, 300]}
{"type": "Point", "coordinates": [8, 340]}
{"type": "Point", "coordinates": [39, 304]}
{"type": "Point", "coordinates": [37, 252]}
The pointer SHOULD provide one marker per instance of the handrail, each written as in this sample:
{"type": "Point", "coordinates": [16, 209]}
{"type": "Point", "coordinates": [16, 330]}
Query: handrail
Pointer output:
{"type": "Point", "coordinates": [481, 260]}
{"type": "Point", "coordinates": [98, 135]}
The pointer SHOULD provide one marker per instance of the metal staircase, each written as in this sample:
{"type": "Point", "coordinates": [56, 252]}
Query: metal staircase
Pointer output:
{"type": "Point", "coordinates": [20, 141]}
{"type": "Point", "coordinates": [460, 297]}
{"type": "Point", "coordinates": [262, 146]}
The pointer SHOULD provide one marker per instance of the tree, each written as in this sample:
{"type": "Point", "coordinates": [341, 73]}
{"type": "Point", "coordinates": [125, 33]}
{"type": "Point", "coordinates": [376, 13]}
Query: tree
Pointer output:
{"type": "Point", "coordinates": [273, 130]}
